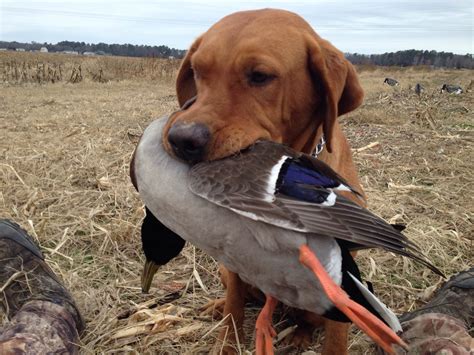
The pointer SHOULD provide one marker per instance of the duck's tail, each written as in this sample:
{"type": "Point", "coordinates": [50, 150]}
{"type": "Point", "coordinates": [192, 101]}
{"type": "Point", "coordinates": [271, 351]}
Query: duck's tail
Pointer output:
{"type": "Point", "coordinates": [358, 292]}
{"type": "Point", "coordinates": [353, 306]}
{"type": "Point", "coordinates": [382, 310]}
{"type": "Point", "coordinates": [352, 284]}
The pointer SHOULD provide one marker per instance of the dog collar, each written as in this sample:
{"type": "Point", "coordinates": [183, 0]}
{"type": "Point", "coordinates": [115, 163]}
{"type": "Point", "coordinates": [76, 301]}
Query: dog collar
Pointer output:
{"type": "Point", "coordinates": [319, 147]}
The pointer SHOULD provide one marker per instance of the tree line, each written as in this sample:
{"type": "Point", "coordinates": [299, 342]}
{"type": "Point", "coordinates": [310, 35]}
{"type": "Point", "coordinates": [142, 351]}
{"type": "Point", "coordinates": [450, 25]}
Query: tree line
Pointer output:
{"type": "Point", "coordinates": [128, 50]}
{"type": "Point", "coordinates": [405, 58]}
{"type": "Point", "coordinates": [414, 57]}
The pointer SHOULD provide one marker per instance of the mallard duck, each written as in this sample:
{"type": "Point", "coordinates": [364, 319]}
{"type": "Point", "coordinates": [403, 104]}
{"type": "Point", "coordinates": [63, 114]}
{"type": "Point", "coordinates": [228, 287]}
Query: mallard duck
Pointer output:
{"type": "Point", "coordinates": [452, 89]}
{"type": "Point", "coordinates": [419, 89]}
{"type": "Point", "coordinates": [263, 213]}
{"type": "Point", "coordinates": [391, 82]}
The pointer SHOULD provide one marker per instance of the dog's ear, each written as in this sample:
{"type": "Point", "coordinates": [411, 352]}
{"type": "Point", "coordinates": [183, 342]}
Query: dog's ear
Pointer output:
{"type": "Point", "coordinates": [338, 80]}
{"type": "Point", "coordinates": [185, 85]}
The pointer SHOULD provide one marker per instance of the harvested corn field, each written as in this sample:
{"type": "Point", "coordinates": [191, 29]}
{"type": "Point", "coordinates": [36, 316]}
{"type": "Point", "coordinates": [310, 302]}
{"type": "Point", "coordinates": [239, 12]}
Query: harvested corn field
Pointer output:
{"type": "Point", "coordinates": [65, 149]}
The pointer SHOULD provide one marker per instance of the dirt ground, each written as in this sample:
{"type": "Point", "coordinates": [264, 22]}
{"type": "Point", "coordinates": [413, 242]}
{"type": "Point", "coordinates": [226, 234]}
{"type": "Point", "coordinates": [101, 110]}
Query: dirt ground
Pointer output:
{"type": "Point", "coordinates": [64, 155]}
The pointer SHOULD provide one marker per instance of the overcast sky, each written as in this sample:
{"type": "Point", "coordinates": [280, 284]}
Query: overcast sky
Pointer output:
{"type": "Point", "coordinates": [368, 26]}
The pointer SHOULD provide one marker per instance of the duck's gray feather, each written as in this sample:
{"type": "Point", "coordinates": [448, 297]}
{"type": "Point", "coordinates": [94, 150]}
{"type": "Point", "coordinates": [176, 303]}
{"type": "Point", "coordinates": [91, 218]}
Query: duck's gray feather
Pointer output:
{"type": "Point", "coordinates": [240, 183]}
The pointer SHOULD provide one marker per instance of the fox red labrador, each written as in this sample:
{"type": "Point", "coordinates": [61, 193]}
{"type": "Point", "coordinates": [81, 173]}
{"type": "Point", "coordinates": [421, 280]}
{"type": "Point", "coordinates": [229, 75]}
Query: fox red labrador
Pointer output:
{"type": "Point", "coordinates": [264, 74]}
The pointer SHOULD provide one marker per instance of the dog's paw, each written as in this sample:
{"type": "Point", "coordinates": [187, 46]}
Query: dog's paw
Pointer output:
{"type": "Point", "coordinates": [301, 338]}
{"type": "Point", "coordinates": [214, 308]}
{"type": "Point", "coordinates": [226, 344]}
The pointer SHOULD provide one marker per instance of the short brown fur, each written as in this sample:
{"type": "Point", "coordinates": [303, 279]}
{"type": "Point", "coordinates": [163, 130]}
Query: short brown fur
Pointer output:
{"type": "Point", "coordinates": [313, 84]}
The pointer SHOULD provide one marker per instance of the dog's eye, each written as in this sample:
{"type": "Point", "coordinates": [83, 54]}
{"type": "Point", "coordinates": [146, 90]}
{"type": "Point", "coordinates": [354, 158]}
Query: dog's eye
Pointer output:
{"type": "Point", "coordinates": [258, 78]}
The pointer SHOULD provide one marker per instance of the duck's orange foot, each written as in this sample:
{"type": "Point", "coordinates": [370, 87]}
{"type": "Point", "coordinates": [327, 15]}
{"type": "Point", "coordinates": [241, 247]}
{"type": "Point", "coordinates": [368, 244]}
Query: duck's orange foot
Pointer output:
{"type": "Point", "coordinates": [383, 335]}
{"type": "Point", "coordinates": [264, 330]}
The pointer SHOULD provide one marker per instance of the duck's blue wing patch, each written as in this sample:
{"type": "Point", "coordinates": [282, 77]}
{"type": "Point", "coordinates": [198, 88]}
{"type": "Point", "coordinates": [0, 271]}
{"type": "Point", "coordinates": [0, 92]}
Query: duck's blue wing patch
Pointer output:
{"type": "Point", "coordinates": [295, 171]}
{"type": "Point", "coordinates": [305, 180]}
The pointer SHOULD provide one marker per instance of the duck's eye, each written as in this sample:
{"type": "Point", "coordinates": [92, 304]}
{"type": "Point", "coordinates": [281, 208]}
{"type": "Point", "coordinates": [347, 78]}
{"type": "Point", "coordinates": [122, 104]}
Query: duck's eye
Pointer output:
{"type": "Point", "coordinates": [258, 78]}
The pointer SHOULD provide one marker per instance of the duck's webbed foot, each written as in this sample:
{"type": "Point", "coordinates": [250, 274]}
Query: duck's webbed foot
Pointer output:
{"type": "Point", "coordinates": [264, 329]}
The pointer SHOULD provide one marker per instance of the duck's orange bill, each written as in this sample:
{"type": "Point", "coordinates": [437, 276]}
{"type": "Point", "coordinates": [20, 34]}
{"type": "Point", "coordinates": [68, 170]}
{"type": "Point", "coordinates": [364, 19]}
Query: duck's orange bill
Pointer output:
{"type": "Point", "coordinates": [264, 329]}
{"type": "Point", "coordinates": [380, 333]}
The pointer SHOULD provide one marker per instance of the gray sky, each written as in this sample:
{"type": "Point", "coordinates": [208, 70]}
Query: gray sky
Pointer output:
{"type": "Point", "coordinates": [367, 26]}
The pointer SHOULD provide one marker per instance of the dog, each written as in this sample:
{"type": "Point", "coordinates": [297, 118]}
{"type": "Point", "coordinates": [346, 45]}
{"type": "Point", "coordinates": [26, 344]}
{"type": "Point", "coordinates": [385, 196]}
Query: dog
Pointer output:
{"type": "Point", "coordinates": [264, 74]}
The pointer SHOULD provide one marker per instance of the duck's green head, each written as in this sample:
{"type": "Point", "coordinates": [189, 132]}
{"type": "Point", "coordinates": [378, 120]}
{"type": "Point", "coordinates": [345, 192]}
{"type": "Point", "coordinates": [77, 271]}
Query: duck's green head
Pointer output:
{"type": "Point", "coordinates": [160, 246]}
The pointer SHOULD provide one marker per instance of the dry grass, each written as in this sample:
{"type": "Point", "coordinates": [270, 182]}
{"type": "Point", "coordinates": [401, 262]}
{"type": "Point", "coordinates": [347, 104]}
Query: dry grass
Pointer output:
{"type": "Point", "coordinates": [65, 151]}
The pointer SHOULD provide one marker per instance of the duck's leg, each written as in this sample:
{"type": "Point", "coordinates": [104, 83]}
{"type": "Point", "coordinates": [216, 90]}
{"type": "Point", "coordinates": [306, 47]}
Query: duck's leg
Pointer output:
{"type": "Point", "coordinates": [369, 323]}
{"type": "Point", "coordinates": [264, 330]}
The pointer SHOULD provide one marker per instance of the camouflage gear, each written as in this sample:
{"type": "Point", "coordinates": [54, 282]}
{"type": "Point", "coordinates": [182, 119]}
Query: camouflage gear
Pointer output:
{"type": "Point", "coordinates": [454, 298]}
{"type": "Point", "coordinates": [40, 328]}
{"type": "Point", "coordinates": [441, 326]}
{"type": "Point", "coordinates": [44, 317]}
{"type": "Point", "coordinates": [436, 333]}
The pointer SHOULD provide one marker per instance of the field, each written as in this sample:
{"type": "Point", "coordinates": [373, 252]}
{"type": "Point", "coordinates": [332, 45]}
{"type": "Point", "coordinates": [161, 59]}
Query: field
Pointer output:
{"type": "Point", "coordinates": [64, 153]}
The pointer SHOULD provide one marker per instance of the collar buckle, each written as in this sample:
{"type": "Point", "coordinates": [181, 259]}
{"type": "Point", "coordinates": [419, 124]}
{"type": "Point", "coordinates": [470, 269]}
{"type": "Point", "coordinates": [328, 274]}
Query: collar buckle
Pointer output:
{"type": "Point", "coordinates": [319, 147]}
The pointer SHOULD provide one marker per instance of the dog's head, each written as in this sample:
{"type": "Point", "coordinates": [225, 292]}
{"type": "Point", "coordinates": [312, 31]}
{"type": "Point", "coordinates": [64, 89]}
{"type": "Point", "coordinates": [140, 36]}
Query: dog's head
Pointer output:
{"type": "Point", "coordinates": [261, 74]}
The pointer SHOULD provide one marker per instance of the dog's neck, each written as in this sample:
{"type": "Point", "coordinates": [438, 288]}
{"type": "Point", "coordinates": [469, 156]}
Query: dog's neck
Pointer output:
{"type": "Point", "coordinates": [309, 140]}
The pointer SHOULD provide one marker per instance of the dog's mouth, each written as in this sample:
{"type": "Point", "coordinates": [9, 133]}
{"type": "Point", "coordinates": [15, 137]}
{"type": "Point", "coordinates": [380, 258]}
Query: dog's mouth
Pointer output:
{"type": "Point", "coordinates": [244, 151]}
{"type": "Point", "coordinates": [191, 162]}
{"type": "Point", "coordinates": [250, 147]}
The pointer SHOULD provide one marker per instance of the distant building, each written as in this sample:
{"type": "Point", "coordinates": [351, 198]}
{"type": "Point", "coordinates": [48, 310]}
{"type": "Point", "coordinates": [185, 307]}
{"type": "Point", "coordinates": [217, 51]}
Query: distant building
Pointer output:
{"type": "Point", "coordinates": [3, 49]}
{"type": "Point", "coordinates": [89, 54]}
{"type": "Point", "coordinates": [20, 49]}
{"type": "Point", "coordinates": [171, 57]}
{"type": "Point", "coordinates": [44, 50]}
{"type": "Point", "coordinates": [70, 52]}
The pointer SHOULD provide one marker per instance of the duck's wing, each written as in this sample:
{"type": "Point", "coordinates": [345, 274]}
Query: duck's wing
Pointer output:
{"type": "Point", "coordinates": [253, 181]}
{"type": "Point", "coordinates": [272, 183]}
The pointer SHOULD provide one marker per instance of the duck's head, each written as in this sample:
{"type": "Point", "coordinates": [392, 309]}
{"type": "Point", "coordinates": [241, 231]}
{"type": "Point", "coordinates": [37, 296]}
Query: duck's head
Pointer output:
{"type": "Point", "coordinates": [160, 245]}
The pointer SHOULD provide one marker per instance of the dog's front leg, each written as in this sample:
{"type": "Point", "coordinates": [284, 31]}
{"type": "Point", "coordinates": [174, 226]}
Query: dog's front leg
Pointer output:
{"type": "Point", "coordinates": [232, 333]}
{"type": "Point", "coordinates": [335, 337]}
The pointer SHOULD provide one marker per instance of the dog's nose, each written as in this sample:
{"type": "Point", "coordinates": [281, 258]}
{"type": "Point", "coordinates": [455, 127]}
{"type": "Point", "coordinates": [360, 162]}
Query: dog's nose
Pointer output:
{"type": "Point", "coordinates": [189, 141]}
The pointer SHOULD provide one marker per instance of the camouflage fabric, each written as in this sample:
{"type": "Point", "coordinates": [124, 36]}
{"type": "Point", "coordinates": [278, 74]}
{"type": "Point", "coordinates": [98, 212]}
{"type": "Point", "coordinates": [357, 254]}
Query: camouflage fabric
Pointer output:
{"type": "Point", "coordinates": [436, 333]}
{"type": "Point", "coordinates": [40, 327]}
{"type": "Point", "coordinates": [44, 318]}
{"type": "Point", "coordinates": [454, 298]}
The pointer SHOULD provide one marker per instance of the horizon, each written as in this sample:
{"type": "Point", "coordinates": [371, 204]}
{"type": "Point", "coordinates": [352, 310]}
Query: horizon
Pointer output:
{"type": "Point", "coordinates": [185, 49]}
{"type": "Point", "coordinates": [369, 27]}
